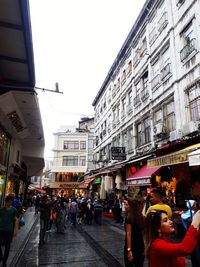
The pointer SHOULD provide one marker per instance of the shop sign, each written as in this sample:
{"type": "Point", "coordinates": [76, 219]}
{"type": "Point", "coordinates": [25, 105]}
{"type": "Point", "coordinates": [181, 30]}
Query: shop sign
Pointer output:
{"type": "Point", "coordinates": [63, 185]}
{"type": "Point", "coordinates": [118, 153]}
{"type": "Point", "coordinates": [139, 182]}
{"type": "Point", "coordinates": [176, 158]}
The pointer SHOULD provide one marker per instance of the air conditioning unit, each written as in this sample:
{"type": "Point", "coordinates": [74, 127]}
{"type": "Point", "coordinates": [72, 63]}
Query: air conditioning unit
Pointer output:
{"type": "Point", "coordinates": [159, 129]}
{"type": "Point", "coordinates": [175, 135]}
{"type": "Point", "coordinates": [190, 127]}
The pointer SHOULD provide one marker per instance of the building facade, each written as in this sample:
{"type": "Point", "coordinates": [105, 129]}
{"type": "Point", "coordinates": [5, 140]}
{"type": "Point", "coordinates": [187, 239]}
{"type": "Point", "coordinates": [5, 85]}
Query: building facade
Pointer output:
{"type": "Point", "coordinates": [150, 97]}
{"type": "Point", "coordinates": [73, 157]}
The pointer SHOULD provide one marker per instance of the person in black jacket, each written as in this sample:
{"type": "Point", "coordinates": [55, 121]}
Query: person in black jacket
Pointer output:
{"type": "Point", "coordinates": [98, 209]}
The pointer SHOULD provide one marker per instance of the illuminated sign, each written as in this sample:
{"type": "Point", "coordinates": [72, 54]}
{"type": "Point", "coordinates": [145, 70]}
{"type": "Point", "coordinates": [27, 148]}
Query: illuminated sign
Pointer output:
{"type": "Point", "coordinates": [64, 185]}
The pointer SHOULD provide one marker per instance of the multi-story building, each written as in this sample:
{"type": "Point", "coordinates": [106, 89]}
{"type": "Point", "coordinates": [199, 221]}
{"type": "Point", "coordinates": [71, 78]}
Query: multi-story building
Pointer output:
{"type": "Point", "coordinates": [151, 95]}
{"type": "Point", "coordinates": [73, 157]}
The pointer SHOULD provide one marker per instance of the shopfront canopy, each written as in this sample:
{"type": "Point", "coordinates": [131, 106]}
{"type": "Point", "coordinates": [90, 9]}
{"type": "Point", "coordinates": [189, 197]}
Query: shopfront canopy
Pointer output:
{"type": "Point", "coordinates": [194, 158]}
{"type": "Point", "coordinates": [142, 177]}
{"type": "Point", "coordinates": [173, 158]}
{"type": "Point", "coordinates": [86, 183]}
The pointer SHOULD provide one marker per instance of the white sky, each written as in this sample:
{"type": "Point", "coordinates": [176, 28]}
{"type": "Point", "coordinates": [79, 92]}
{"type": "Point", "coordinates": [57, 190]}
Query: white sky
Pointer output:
{"type": "Point", "coordinates": [75, 43]}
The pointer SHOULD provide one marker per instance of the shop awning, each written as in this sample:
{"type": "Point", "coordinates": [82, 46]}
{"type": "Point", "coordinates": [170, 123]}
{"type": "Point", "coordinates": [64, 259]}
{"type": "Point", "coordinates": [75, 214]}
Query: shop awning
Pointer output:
{"type": "Point", "coordinates": [64, 185]}
{"type": "Point", "coordinates": [86, 183]}
{"type": "Point", "coordinates": [172, 158]}
{"type": "Point", "coordinates": [142, 177]}
{"type": "Point", "coordinates": [194, 158]}
{"type": "Point", "coordinates": [97, 181]}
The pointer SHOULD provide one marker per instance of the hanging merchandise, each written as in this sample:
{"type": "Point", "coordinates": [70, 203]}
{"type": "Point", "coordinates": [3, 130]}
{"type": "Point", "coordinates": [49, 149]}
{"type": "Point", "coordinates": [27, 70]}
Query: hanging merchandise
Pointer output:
{"type": "Point", "coordinates": [118, 181]}
{"type": "Point", "coordinates": [102, 189]}
{"type": "Point", "coordinates": [108, 183]}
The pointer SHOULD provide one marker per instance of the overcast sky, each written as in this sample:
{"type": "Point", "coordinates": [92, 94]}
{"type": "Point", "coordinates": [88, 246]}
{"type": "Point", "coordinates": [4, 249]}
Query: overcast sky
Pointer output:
{"type": "Point", "coordinates": [75, 43]}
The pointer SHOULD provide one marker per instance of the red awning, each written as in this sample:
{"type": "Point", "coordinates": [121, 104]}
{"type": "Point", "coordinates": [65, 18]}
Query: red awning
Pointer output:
{"type": "Point", "coordinates": [144, 172]}
{"type": "Point", "coordinates": [86, 183]}
{"type": "Point", "coordinates": [40, 190]}
{"type": "Point", "coordinates": [141, 177]}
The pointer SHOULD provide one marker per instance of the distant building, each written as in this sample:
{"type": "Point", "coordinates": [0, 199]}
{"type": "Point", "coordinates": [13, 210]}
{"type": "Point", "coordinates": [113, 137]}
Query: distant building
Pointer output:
{"type": "Point", "coordinates": [73, 157]}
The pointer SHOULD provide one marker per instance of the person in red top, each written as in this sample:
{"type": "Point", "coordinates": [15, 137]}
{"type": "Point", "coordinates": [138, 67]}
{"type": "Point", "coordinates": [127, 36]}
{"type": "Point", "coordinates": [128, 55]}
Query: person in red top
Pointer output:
{"type": "Point", "coordinates": [159, 250]}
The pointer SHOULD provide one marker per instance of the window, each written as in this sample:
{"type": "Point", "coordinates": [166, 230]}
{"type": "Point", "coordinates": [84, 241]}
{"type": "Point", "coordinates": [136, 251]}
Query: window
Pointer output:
{"type": "Point", "coordinates": [165, 64]}
{"type": "Point", "coordinates": [137, 97]}
{"type": "Point", "coordinates": [156, 75]}
{"type": "Point", "coordinates": [189, 42]}
{"type": "Point", "coordinates": [147, 130]}
{"type": "Point", "coordinates": [194, 102]}
{"type": "Point", "coordinates": [139, 134]}
{"type": "Point", "coordinates": [129, 69]}
{"type": "Point", "coordinates": [130, 139]}
{"type": "Point", "coordinates": [82, 144]}
{"type": "Point", "coordinates": [158, 116]}
{"type": "Point", "coordinates": [124, 140]}
{"type": "Point", "coordinates": [145, 91]}
{"type": "Point", "coordinates": [70, 161]}
{"type": "Point", "coordinates": [82, 160]}
{"type": "Point", "coordinates": [71, 145]}
{"type": "Point", "coordinates": [169, 116]}
{"type": "Point", "coordinates": [123, 104]}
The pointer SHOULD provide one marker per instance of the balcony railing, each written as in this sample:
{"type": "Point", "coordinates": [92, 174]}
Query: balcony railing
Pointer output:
{"type": "Point", "coordinates": [163, 21]}
{"type": "Point", "coordinates": [144, 94]}
{"type": "Point", "coordinates": [136, 100]}
{"type": "Point", "coordinates": [155, 81]}
{"type": "Point", "coordinates": [188, 49]}
{"type": "Point", "coordinates": [165, 72]}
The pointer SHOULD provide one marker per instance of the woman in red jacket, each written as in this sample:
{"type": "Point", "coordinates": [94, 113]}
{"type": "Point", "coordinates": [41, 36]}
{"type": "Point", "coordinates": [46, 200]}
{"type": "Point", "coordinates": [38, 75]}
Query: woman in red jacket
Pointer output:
{"type": "Point", "coordinates": [159, 250]}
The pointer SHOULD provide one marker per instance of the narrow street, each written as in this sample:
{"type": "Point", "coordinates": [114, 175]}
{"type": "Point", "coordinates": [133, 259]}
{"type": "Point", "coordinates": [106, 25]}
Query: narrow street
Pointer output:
{"type": "Point", "coordinates": [84, 245]}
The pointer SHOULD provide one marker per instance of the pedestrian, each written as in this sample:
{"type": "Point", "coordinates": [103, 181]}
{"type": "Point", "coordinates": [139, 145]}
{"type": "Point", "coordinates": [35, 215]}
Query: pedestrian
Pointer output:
{"type": "Point", "coordinates": [45, 213]}
{"type": "Point", "coordinates": [134, 242]}
{"type": "Point", "coordinates": [186, 218]}
{"type": "Point", "coordinates": [156, 199]}
{"type": "Point", "coordinates": [159, 250]}
{"type": "Point", "coordinates": [8, 227]}
{"type": "Point", "coordinates": [98, 210]}
{"type": "Point", "coordinates": [89, 210]}
{"type": "Point", "coordinates": [37, 203]}
{"type": "Point", "coordinates": [61, 217]}
{"type": "Point", "coordinates": [73, 210]}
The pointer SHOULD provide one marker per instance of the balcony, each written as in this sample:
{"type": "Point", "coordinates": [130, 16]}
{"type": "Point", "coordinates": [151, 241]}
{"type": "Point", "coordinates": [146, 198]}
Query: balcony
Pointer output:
{"type": "Point", "coordinates": [136, 100]}
{"type": "Point", "coordinates": [155, 81]}
{"type": "Point", "coordinates": [188, 49]}
{"type": "Point", "coordinates": [144, 94]}
{"type": "Point", "coordinates": [163, 21]}
{"type": "Point", "coordinates": [165, 72]}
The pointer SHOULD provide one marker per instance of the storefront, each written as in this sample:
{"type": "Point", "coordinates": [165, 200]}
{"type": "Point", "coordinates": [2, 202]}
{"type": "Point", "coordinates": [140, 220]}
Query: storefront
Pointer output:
{"type": "Point", "coordinates": [4, 156]}
{"type": "Point", "coordinates": [140, 179]}
{"type": "Point", "coordinates": [66, 189]}
{"type": "Point", "coordinates": [175, 176]}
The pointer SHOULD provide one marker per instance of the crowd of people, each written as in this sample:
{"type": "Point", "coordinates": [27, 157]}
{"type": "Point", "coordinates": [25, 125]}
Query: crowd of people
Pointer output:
{"type": "Point", "coordinates": [148, 225]}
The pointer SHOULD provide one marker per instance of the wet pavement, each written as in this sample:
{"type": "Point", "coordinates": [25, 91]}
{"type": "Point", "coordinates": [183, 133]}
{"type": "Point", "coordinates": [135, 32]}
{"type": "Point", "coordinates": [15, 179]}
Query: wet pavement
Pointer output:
{"type": "Point", "coordinates": [85, 245]}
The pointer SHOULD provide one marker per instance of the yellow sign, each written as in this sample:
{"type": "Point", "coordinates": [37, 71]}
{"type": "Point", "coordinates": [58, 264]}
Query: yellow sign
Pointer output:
{"type": "Point", "coordinates": [64, 185]}
{"type": "Point", "coordinates": [175, 158]}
